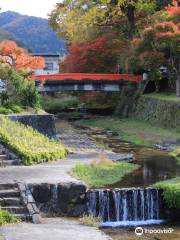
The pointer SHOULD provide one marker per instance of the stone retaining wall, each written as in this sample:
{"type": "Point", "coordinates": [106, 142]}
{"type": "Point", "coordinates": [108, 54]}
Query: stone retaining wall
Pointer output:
{"type": "Point", "coordinates": [160, 112]}
{"type": "Point", "coordinates": [44, 123]}
{"type": "Point", "coordinates": [63, 199]}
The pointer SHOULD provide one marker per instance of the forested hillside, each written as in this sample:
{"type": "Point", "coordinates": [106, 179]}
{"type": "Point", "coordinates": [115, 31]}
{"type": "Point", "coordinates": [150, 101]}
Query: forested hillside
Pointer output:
{"type": "Point", "coordinates": [32, 32]}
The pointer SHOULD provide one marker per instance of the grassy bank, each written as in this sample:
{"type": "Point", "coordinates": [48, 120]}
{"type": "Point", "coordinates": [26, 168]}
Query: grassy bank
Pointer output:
{"type": "Point", "coordinates": [165, 96]}
{"type": "Point", "coordinates": [103, 172]}
{"type": "Point", "coordinates": [7, 218]}
{"type": "Point", "coordinates": [171, 192]}
{"type": "Point", "coordinates": [176, 154]}
{"type": "Point", "coordinates": [135, 131]}
{"type": "Point", "coordinates": [30, 145]}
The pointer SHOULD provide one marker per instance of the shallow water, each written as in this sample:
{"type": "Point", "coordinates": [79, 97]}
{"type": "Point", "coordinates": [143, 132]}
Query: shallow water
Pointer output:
{"type": "Point", "coordinates": [155, 165]}
{"type": "Point", "coordinates": [171, 233]}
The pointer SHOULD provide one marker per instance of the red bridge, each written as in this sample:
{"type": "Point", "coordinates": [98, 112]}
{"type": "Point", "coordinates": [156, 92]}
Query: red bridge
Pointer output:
{"type": "Point", "coordinates": [85, 81]}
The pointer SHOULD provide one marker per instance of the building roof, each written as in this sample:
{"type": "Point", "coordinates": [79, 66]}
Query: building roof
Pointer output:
{"type": "Point", "coordinates": [47, 54]}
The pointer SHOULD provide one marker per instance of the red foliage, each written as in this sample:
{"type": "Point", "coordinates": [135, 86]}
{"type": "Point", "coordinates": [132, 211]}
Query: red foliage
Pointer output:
{"type": "Point", "coordinates": [166, 27]}
{"type": "Point", "coordinates": [18, 57]}
{"type": "Point", "coordinates": [173, 10]}
{"type": "Point", "coordinates": [99, 55]}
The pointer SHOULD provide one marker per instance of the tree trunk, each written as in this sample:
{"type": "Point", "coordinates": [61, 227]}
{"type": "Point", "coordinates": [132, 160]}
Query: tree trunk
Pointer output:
{"type": "Point", "coordinates": [131, 20]}
{"type": "Point", "coordinates": [178, 80]}
{"type": "Point", "coordinates": [129, 11]}
{"type": "Point", "coordinates": [157, 85]}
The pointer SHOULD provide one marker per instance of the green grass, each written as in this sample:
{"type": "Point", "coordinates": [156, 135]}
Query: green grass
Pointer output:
{"type": "Point", "coordinates": [167, 96]}
{"type": "Point", "coordinates": [171, 192]}
{"type": "Point", "coordinates": [30, 145]}
{"type": "Point", "coordinates": [103, 173]}
{"type": "Point", "coordinates": [7, 218]}
{"type": "Point", "coordinates": [135, 131]}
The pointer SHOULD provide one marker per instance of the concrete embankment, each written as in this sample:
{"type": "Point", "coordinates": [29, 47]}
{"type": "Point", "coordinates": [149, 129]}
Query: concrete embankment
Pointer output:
{"type": "Point", "coordinates": [44, 123]}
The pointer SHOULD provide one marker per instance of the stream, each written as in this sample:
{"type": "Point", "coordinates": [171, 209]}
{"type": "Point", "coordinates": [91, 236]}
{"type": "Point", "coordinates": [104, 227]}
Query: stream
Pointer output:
{"type": "Point", "coordinates": [131, 201]}
{"type": "Point", "coordinates": [155, 165]}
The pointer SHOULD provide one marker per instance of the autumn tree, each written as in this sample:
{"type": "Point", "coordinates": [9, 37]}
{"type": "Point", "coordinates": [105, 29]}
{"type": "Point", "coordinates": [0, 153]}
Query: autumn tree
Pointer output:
{"type": "Point", "coordinates": [97, 55]}
{"type": "Point", "coordinates": [157, 46]}
{"type": "Point", "coordinates": [18, 57]}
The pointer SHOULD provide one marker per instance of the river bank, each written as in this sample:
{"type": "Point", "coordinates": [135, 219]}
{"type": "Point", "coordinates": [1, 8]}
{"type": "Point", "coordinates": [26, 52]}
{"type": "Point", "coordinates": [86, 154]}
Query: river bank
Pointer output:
{"type": "Point", "coordinates": [135, 131]}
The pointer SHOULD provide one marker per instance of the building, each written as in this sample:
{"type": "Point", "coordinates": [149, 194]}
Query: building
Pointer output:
{"type": "Point", "coordinates": [52, 62]}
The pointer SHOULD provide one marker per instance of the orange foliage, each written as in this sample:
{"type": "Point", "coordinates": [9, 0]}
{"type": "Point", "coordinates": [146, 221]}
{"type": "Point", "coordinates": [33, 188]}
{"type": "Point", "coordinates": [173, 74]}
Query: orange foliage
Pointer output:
{"type": "Point", "coordinates": [18, 57]}
{"type": "Point", "coordinates": [173, 10]}
{"type": "Point", "coordinates": [166, 27]}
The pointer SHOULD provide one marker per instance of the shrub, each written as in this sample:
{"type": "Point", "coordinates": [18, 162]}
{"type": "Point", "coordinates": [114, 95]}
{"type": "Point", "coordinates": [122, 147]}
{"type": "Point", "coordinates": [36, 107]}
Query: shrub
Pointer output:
{"type": "Point", "coordinates": [10, 108]}
{"type": "Point", "coordinates": [16, 109]}
{"type": "Point", "coordinates": [171, 192]}
{"type": "Point", "coordinates": [4, 110]}
{"type": "Point", "coordinates": [30, 145]}
{"type": "Point", "coordinates": [59, 103]}
{"type": "Point", "coordinates": [6, 217]}
{"type": "Point", "coordinates": [20, 88]}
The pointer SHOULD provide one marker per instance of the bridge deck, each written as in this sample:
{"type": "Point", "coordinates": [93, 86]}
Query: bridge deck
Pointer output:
{"type": "Point", "coordinates": [90, 77]}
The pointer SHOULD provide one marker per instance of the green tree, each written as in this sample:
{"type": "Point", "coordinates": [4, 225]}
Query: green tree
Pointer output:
{"type": "Point", "coordinates": [20, 88]}
{"type": "Point", "coordinates": [77, 20]}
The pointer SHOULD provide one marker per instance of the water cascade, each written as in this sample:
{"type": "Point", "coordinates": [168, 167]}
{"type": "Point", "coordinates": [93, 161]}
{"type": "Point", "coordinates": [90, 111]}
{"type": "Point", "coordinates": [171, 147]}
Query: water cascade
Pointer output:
{"type": "Point", "coordinates": [125, 207]}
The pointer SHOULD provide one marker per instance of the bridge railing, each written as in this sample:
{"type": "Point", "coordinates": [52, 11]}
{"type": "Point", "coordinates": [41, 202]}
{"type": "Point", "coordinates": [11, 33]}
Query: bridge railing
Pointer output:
{"type": "Point", "coordinates": [90, 76]}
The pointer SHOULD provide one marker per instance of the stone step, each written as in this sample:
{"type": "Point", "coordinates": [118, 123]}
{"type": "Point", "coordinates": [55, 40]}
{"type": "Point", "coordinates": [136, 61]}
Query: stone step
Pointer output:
{"type": "Point", "coordinates": [10, 202]}
{"type": "Point", "coordinates": [6, 186]}
{"type": "Point", "coordinates": [15, 209]}
{"type": "Point", "coordinates": [8, 162]}
{"type": "Point", "coordinates": [10, 193]}
{"type": "Point", "coordinates": [3, 157]}
{"type": "Point", "coordinates": [2, 151]}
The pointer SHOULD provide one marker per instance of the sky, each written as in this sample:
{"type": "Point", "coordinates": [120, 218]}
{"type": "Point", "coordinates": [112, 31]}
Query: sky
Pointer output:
{"type": "Point", "coordinates": [38, 8]}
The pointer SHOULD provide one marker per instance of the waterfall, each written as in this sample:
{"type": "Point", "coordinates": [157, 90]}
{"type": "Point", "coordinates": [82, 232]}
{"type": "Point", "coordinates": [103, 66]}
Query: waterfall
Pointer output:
{"type": "Point", "coordinates": [125, 207]}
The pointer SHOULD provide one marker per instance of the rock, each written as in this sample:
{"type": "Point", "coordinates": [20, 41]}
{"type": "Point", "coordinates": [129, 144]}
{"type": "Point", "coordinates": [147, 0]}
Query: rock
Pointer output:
{"type": "Point", "coordinates": [120, 156]}
{"type": "Point", "coordinates": [41, 192]}
{"type": "Point", "coordinates": [65, 199]}
{"type": "Point", "coordinates": [161, 147]}
{"type": "Point", "coordinates": [70, 195]}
